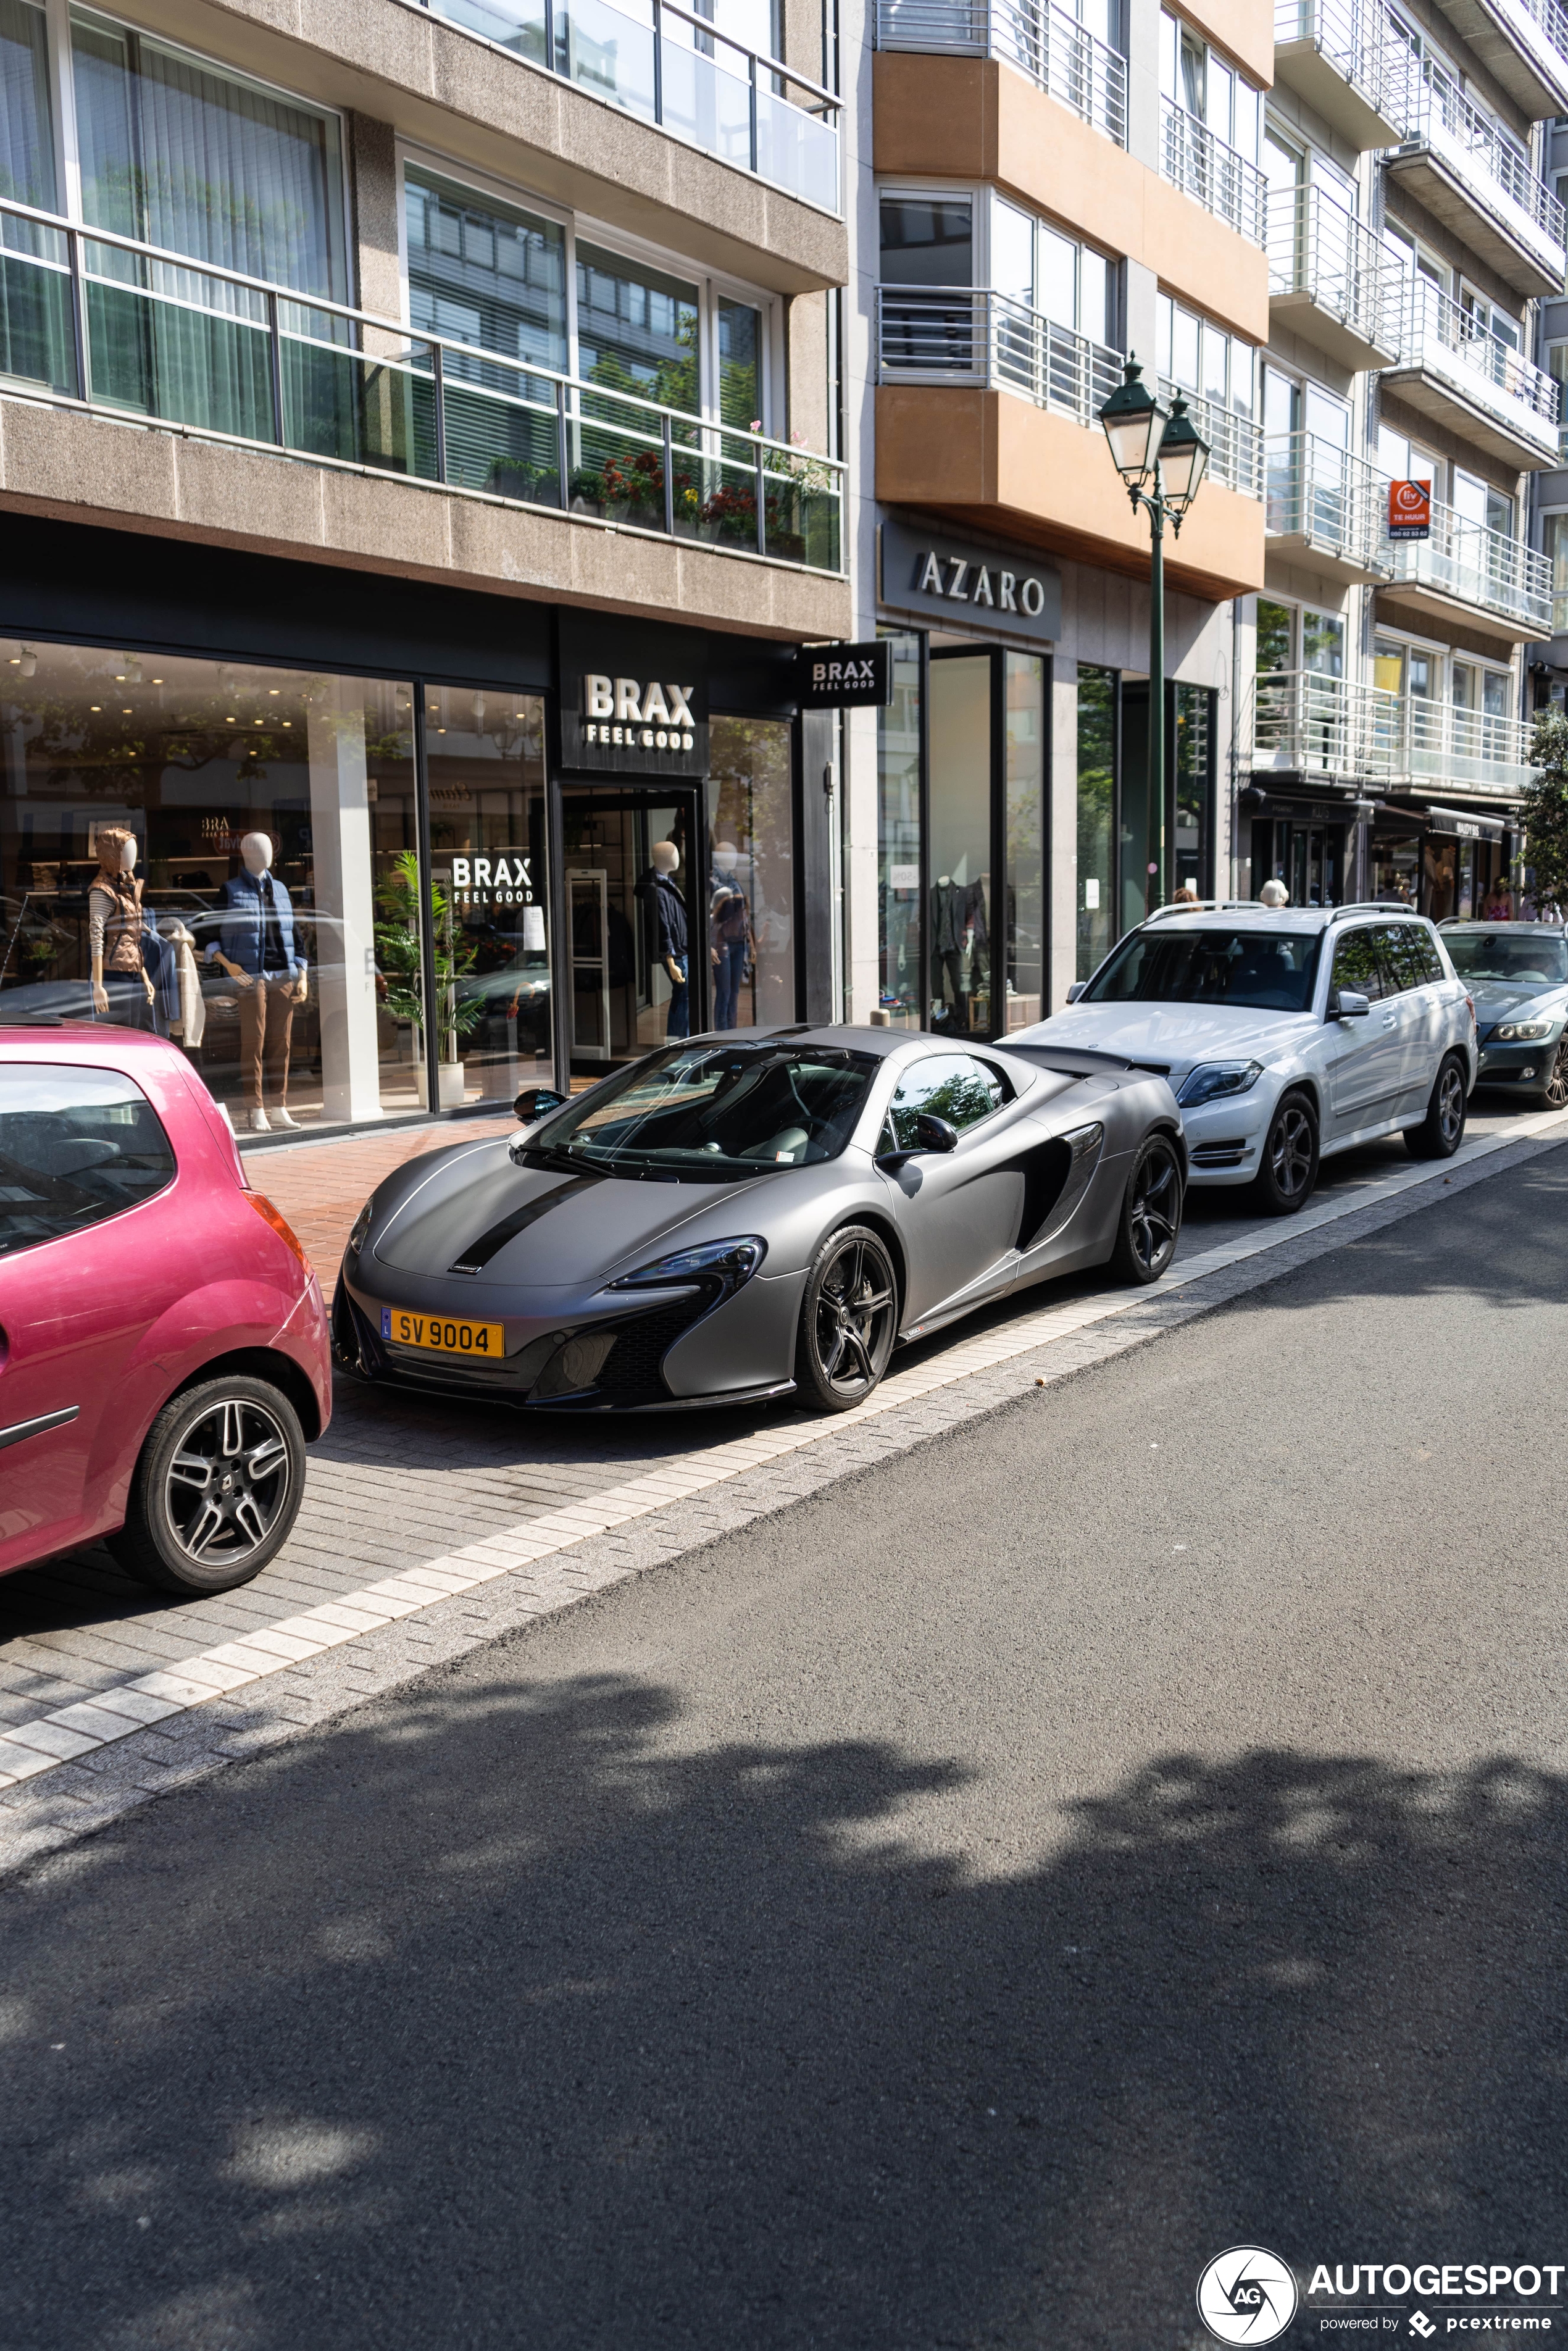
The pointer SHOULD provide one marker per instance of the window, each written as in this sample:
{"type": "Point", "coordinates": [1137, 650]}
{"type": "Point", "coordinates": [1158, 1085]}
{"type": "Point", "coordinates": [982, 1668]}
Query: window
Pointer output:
{"type": "Point", "coordinates": [1322, 644]}
{"type": "Point", "coordinates": [1267, 971]}
{"type": "Point", "coordinates": [1096, 807]}
{"type": "Point", "coordinates": [1554, 546]}
{"type": "Point", "coordinates": [751, 905]}
{"type": "Point", "coordinates": [953, 1086]}
{"type": "Point", "coordinates": [1388, 665]}
{"type": "Point", "coordinates": [1204, 359]}
{"type": "Point", "coordinates": [483, 272]}
{"type": "Point", "coordinates": [26, 130]}
{"type": "Point", "coordinates": [901, 991]}
{"type": "Point", "coordinates": [928, 241]}
{"type": "Point", "coordinates": [75, 1146]}
{"type": "Point", "coordinates": [1357, 965]}
{"type": "Point", "coordinates": [1034, 264]}
{"type": "Point", "coordinates": [708, 1113]}
{"type": "Point", "coordinates": [1276, 636]}
{"type": "Point", "coordinates": [1211, 91]}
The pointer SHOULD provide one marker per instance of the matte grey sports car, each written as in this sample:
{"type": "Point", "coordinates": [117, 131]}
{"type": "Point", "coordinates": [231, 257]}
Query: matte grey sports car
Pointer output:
{"type": "Point", "coordinates": [739, 1216]}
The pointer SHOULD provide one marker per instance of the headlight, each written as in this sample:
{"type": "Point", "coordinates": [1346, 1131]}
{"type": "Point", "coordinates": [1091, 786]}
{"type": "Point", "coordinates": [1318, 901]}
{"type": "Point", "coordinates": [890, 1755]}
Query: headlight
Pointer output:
{"type": "Point", "coordinates": [1210, 1079]}
{"type": "Point", "coordinates": [1524, 1032]}
{"type": "Point", "coordinates": [361, 1225]}
{"type": "Point", "coordinates": [718, 1266]}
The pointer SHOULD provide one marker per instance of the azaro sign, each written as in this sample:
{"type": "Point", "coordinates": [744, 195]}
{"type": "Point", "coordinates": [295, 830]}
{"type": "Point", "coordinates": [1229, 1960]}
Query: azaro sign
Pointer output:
{"type": "Point", "coordinates": [1014, 593]}
{"type": "Point", "coordinates": [845, 677]}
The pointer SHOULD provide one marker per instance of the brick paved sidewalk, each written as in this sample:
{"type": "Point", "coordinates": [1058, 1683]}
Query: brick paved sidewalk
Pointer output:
{"type": "Point", "coordinates": [321, 1186]}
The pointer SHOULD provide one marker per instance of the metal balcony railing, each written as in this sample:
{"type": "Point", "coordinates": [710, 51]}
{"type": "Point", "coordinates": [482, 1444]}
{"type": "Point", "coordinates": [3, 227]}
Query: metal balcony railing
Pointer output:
{"type": "Point", "coordinates": [1353, 35]}
{"type": "Point", "coordinates": [664, 63]}
{"type": "Point", "coordinates": [1316, 491]}
{"type": "Point", "coordinates": [1304, 723]}
{"type": "Point", "coordinates": [126, 330]}
{"type": "Point", "coordinates": [1438, 114]}
{"type": "Point", "coordinates": [1061, 56]}
{"type": "Point", "coordinates": [1440, 335]}
{"type": "Point", "coordinates": [1317, 248]}
{"type": "Point", "coordinates": [1476, 566]}
{"type": "Point", "coordinates": [945, 334]}
{"type": "Point", "coordinates": [1552, 20]}
{"type": "Point", "coordinates": [1234, 443]}
{"type": "Point", "coordinates": [1204, 167]}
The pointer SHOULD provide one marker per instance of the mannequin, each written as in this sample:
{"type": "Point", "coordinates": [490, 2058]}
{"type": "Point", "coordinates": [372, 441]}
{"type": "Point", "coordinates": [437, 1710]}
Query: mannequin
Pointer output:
{"type": "Point", "coordinates": [947, 928]}
{"type": "Point", "coordinates": [122, 988]}
{"type": "Point", "coordinates": [665, 902]}
{"type": "Point", "coordinates": [256, 947]}
{"type": "Point", "coordinates": [731, 944]}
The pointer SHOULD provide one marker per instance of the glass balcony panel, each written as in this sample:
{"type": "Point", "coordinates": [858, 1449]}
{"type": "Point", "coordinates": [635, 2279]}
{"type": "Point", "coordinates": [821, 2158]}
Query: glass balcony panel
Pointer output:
{"type": "Point", "coordinates": [797, 150]}
{"type": "Point", "coordinates": [705, 100]}
{"type": "Point", "coordinates": [516, 25]}
{"type": "Point", "coordinates": [608, 52]}
{"type": "Point", "coordinates": [504, 443]}
{"type": "Point", "coordinates": [36, 343]}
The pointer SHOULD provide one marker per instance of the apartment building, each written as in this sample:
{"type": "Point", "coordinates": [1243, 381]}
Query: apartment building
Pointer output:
{"type": "Point", "coordinates": [1547, 680]}
{"type": "Point", "coordinates": [1414, 235]}
{"type": "Point", "coordinates": [418, 447]}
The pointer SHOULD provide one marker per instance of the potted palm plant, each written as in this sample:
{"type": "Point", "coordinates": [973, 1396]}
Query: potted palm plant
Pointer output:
{"type": "Point", "coordinates": [399, 972]}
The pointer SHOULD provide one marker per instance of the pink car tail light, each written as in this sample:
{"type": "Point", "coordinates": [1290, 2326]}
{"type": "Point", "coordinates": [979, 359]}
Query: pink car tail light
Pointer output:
{"type": "Point", "coordinates": [280, 1226]}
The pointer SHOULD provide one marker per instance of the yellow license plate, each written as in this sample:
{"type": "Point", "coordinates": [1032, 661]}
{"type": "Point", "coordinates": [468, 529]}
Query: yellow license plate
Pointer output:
{"type": "Point", "coordinates": [441, 1336]}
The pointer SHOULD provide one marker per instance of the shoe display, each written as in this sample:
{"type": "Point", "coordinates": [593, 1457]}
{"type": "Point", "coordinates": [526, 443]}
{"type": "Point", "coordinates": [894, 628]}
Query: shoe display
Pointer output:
{"type": "Point", "coordinates": [260, 1123]}
{"type": "Point", "coordinates": [280, 1117]}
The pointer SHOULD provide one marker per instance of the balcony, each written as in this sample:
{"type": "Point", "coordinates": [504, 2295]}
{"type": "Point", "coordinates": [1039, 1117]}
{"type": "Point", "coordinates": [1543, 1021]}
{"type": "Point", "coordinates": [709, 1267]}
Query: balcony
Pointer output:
{"type": "Point", "coordinates": [1055, 52]}
{"type": "Point", "coordinates": [1458, 373]}
{"type": "Point", "coordinates": [1330, 729]}
{"type": "Point", "coordinates": [119, 329]}
{"type": "Point", "coordinates": [1324, 509]}
{"type": "Point", "coordinates": [1466, 572]}
{"type": "Point", "coordinates": [957, 334]}
{"type": "Point", "coordinates": [1523, 43]}
{"type": "Point", "coordinates": [1337, 56]}
{"type": "Point", "coordinates": [665, 65]}
{"type": "Point", "coordinates": [1202, 167]}
{"type": "Point", "coordinates": [1456, 161]}
{"type": "Point", "coordinates": [1330, 281]}
{"type": "Point", "coordinates": [1234, 443]}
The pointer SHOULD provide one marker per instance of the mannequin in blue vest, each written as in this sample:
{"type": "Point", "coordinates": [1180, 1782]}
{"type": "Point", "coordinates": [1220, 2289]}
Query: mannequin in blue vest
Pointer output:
{"type": "Point", "coordinates": [256, 947]}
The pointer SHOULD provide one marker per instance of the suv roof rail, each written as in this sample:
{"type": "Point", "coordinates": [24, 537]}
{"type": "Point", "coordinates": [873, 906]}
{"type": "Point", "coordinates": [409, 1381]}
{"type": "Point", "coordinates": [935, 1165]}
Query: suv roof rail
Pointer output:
{"type": "Point", "coordinates": [1374, 906]}
{"type": "Point", "coordinates": [1208, 906]}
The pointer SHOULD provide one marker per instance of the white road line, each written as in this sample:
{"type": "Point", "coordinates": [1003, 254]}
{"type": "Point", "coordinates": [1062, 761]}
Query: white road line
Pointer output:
{"type": "Point", "coordinates": [118, 1713]}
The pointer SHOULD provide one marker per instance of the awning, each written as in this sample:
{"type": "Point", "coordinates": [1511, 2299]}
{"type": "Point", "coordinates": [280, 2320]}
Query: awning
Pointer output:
{"type": "Point", "coordinates": [1463, 824]}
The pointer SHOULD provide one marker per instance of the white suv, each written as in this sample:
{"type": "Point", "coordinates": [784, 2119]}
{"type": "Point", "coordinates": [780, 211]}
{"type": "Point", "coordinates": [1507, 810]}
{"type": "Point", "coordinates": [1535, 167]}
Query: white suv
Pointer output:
{"type": "Point", "coordinates": [1287, 1034]}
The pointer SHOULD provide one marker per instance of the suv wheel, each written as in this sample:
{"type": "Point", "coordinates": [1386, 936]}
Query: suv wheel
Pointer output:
{"type": "Point", "coordinates": [1442, 1129]}
{"type": "Point", "coordinates": [217, 1488]}
{"type": "Point", "coordinates": [1289, 1166]}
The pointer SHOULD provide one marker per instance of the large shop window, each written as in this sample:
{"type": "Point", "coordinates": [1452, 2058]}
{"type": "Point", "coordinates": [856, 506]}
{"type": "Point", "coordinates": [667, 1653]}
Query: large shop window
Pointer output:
{"type": "Point", "coordinates": [269, 922]}
{"type": "Point", "coordinates": [1097, 715]}
{"type": "Point", "coordinates": [898, 760]}
{"type": "Point", "coordinates": [751, 877]}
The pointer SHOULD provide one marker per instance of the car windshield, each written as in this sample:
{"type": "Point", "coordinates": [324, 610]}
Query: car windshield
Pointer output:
{"type": "Point", "coordinates": [1270, 971]}
{"type": "Point", "coordinates": [1515, 958]}
{"type": "Point", "coordinates": [709, 1113]}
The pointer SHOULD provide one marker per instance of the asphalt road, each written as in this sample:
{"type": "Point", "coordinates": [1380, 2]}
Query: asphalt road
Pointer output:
{"type": "Point", "coordinates": [945, 1916]}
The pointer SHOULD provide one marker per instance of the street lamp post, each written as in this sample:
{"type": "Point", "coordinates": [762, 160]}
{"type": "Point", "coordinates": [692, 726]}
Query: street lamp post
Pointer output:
{"type": "Point", "coordinates": [1162, 458]}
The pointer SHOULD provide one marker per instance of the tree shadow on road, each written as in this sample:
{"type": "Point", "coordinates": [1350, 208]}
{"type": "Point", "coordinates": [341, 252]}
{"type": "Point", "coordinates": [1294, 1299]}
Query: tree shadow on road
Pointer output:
{"type": "Point", "coordinates": [510, 2019]}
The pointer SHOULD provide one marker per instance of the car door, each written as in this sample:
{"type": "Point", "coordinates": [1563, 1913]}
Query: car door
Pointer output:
{"type": "Point", "coordinates": [78, 1146]}
{"type": "Point", "coordinates": [958, 1211]}
{"type": "Point", "coordinates": [1424, 1018]}
{"type": "Point", "coordinates": [1364, 1056]}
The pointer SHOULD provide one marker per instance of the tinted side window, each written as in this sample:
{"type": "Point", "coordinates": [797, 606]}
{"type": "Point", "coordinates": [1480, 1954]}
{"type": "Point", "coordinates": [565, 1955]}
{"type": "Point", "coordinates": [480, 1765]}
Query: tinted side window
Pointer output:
{"type": "Point", "coordinates": [1431, 959]}
{"type": "Point", "coordinates": [953, 1086]}
{"type": "Point", "coordinates": [75, 1146]}
{"type": "Point", "coordinates": [1406, 949]}
{"type": "Point", "coordinates": [1356, 964]}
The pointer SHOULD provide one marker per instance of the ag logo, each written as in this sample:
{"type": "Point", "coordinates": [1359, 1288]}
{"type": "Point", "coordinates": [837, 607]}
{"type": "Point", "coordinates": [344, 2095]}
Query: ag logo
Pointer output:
{"type": "Point", "coordinates": [1246, 2296]}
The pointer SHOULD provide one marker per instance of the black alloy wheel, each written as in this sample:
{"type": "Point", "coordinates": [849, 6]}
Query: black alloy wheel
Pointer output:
{"type": "Point", "coordinates": [849, 1321]}
{"type": "Point", "coordinates": [1442, 1129]}
{"type": "Point", "coordinates": [1554, 1093]}
{"type": "Point", "coordinates": [1288, 1170]}
{"type": "Point", "coordinates": [217, 1488]}
{"type": "Point", "coordinates": [1151, 1213]}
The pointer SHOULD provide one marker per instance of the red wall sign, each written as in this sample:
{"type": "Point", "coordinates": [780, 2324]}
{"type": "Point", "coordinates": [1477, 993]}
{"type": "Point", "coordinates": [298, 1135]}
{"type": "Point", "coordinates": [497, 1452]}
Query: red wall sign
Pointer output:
{"type": "Point", "coordinates": [1409, 509]}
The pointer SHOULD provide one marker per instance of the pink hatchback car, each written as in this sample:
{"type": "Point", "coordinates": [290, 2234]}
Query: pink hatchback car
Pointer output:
{"type": "Point", "coordinates": [164, 1348]}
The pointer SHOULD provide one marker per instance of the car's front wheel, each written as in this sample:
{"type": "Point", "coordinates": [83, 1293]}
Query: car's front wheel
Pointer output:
{"type": "Point", "coordinates": [1151, 1212]}
{"type": "Point", "coordinates": [217, 1487]}
{"type": "Point", "coordinates": [1442, 1129]}
{"type": "Point", "coordinates": [1288, 1167]}
{"type": "Point", "coordinates": [849, 1321]}
{"type": "Point", "coordinates": [1554, 1093]}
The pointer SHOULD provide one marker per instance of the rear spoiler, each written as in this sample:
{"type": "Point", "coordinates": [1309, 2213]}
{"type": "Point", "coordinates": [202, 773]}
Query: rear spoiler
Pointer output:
{"type": "Point", "coordinates": [1081, 1062]}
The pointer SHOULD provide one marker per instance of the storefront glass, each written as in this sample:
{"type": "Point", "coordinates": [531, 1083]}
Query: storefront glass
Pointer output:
{"type": "Point", "coordinates": [1138, 830]}
{"type": "Point", "coordinates": [1097, 811]}
{"type": "Point", "coordinates": [901, 986]}
{"type": "Point", "coordinates": [751, 877]}
{"type": "Point", "coordinates": [1025, 748]}
{"type": "Point", "coordinates": [960, 912]}
{"type": "Point", "coordinates": [239, 787]}
{"type": "Point", "coordinates": [488, 862]}
{"type": "Point", "coordinates": [1192, 861]}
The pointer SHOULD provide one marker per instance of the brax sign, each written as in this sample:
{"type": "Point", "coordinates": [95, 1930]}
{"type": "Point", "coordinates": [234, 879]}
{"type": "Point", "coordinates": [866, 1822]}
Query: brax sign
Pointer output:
{"type": "Point", "coordinates": [846, 677]}
{"type": "Point", "coordinates": [635, 724]}
{"type": "Point", "coordinates": [1014, 594]}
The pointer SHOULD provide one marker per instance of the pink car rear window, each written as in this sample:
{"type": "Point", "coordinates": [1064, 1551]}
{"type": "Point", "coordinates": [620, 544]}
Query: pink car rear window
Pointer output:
{"type": "Point", "coordinates": [75, 1146]}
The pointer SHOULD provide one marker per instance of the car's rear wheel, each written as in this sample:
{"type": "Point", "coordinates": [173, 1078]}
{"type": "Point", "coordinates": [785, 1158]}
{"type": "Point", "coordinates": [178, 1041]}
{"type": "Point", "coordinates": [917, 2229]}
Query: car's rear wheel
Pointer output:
{"type": "Point", "coordinates": [216, 1489]}
{"type": "Point", "coordinates": [1554, 1093]}
{"type": "Point", "coordinates": [1442, 1129]}
{"type": "Point", "coordinates": [849, 1321]}
{"type": "Point", "coordinates": [1151, 1212]}
{"type": "Point", "coordinates": [1287, 1169]}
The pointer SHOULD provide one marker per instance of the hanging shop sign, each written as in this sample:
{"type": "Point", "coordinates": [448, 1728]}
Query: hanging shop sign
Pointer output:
{"type": "Point", "coordinates": [1409, 509]}
{"type": "Point", "coordinates": [846, 677]}
{"type": "Point", "coordinates": [633, 698]}
{"type": "Point", "coordinates": [950, 582]}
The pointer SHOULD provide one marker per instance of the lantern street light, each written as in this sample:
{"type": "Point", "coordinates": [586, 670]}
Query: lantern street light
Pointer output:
{"type": "Point", "coordinates": [1162, 457]}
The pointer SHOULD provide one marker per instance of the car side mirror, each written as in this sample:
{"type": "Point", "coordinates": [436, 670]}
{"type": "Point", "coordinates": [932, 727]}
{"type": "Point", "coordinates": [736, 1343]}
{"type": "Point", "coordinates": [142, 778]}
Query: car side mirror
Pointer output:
{"type": "Point", "coordinates": [933, 1133]}
{"type": "Point", "coordinates": [1347, 1004]}
{"type": "Point", "coordinates": [1076, 991]}
{"type": "Point", "coordinates": [535, 1100]}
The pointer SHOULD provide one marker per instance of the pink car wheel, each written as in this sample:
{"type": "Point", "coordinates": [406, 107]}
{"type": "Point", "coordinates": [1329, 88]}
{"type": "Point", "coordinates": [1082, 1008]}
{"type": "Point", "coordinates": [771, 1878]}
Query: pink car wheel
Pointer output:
{"type": "Point", "coordinates": [217, 1488]}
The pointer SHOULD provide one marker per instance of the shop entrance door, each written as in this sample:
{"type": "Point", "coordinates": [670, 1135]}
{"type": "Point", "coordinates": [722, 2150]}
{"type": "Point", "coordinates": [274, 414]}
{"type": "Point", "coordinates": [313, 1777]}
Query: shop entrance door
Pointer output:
{"type": "Point", "coordinates": [632, 924]}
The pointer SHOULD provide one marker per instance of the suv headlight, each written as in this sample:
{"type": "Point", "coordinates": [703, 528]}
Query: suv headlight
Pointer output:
{"type": "Point", "coordinates": [1524, 1032]}
{"type": "Point", "coordinates": [719, 1267]}
{"type": "Point", "coordinates": [1210, 1079]}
